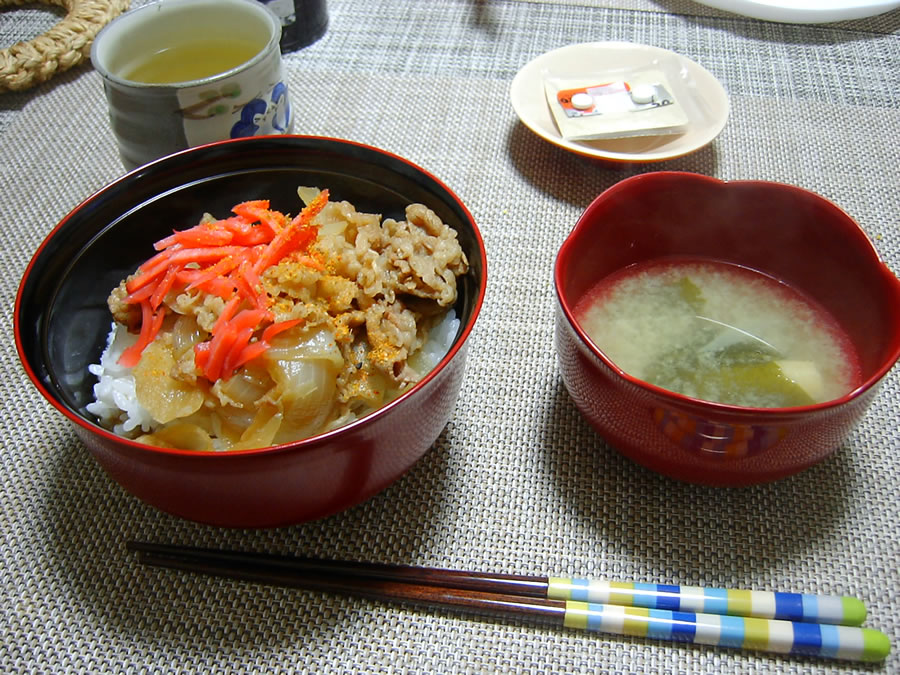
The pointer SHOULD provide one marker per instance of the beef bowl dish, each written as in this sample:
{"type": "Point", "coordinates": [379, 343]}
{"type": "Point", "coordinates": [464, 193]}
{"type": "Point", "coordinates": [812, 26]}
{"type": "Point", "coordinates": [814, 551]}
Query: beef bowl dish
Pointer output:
{"type": "Point", "coordinates": [257, 332]}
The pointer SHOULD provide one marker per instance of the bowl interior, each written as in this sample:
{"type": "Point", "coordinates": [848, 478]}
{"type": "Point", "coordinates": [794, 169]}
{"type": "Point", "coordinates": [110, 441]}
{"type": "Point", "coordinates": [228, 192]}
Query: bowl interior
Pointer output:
{"type": "Point", "coordinates": [789, 233]}
{"type": "Point", "coordinates": [62, 318]}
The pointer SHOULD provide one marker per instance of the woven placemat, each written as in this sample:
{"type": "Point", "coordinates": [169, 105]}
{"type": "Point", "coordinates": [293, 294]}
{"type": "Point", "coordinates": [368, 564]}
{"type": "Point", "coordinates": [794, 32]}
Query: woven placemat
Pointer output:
{"type": "Point", "coordinates": [518, 482]}
{"type": "Point", "coordinates": [67, 44]}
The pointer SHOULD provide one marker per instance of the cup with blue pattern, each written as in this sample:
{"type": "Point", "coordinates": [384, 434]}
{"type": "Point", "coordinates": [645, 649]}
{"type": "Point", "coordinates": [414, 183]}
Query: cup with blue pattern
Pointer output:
{"type": "Point", "coordinates": [183, 73]}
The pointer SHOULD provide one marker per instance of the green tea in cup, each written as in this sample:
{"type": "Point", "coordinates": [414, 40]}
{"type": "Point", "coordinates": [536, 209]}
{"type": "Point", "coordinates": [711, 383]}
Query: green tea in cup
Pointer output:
{"type": "Point", "coordinates": [191, 59]}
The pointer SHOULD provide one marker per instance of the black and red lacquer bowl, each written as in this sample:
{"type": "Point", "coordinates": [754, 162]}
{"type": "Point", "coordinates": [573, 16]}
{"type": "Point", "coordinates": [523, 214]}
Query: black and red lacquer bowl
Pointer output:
{"type": "Point", "coordinates": [62, 320]}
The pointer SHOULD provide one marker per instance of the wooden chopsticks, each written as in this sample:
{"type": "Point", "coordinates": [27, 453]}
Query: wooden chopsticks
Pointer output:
{"type": "Point", "coordinates": [791, 623]}
{"type": "Point", "coordinates": [504, 595]}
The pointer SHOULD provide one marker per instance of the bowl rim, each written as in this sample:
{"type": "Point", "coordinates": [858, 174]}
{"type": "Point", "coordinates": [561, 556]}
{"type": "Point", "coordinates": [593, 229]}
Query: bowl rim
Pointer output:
{"type": "Point", "coordinates": [309, 443]}
{"type": "Point", "coordinates": [682, 400]}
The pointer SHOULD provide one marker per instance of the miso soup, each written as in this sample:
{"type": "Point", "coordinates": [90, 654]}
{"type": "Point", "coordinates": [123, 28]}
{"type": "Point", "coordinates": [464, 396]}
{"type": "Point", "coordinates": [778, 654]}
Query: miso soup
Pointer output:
{"type": "Point", "coordinates": [719, 332]}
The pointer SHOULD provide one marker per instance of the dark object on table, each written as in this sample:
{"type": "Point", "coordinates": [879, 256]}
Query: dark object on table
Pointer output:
{"type": "Point", "coordinates": [302, 21]}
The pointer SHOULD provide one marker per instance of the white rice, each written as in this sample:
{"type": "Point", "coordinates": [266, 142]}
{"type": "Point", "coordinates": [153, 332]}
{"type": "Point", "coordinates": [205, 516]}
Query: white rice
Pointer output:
{"type": "Point", "coordinates": [440, 339]}
{"type": "Point", "coordinates": [116, 404]}
{"type": "Point", "coordinates": [115, 401]}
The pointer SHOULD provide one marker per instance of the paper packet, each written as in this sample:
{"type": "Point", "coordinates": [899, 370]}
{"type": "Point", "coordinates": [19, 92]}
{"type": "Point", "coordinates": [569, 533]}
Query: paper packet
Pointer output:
{"type": "Point", "coordinates": [615, 104]}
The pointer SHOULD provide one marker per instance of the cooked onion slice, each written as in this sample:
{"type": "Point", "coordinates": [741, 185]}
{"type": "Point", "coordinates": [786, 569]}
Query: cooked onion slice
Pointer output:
{"type": "Point", "coordinates": [183, 436]}
{"type": "Point", "coordinates": [164, 397]}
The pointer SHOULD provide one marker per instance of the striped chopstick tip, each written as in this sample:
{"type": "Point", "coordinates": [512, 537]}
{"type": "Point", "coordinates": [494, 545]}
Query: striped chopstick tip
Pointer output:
{"type": "Point", "coordinates": [773, 635]}
{"type": "Point", "coordinates": [854, 611]}
{"type": "Point", "coordinates": [831, 609]}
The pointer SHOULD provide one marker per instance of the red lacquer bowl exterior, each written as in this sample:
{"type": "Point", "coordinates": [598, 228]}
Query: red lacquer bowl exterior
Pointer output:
{"type": "Point", "coordinates": [291, 484]}
{"type": "Point", "coordinates": [789, 233]}
{"type": "Point", "coordinates": [61, 322]}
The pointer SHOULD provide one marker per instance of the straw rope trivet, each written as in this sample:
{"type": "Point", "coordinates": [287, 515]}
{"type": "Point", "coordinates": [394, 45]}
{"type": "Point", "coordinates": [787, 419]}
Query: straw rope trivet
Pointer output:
{"type": "Point", "coordinates": [67, 44]}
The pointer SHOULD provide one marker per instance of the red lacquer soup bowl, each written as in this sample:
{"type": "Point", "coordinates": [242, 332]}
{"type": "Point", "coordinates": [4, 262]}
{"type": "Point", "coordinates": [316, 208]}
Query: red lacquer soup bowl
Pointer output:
{"type": "Point", "coordinates": [62, 319]}
{"type": "Point", "coordinates": [793, 235]}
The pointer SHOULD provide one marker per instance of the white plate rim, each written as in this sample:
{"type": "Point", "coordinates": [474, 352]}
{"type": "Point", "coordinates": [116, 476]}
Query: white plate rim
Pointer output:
{"type": "Point", "coordinates": [522, 88]}
{"type": "Point", "coordinates": [800, 11]}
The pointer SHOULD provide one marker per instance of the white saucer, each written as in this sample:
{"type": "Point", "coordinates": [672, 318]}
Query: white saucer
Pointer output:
{"type": "Point", "coordinates": [707, 97]}
{"type": "Point", "coordinates": [804, 11]}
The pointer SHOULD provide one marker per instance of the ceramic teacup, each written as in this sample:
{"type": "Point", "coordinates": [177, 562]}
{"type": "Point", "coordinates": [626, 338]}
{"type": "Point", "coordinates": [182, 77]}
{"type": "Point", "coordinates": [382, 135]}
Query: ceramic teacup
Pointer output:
{"type": "Point", "coordinates": [182, 73]}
